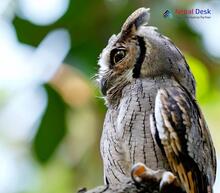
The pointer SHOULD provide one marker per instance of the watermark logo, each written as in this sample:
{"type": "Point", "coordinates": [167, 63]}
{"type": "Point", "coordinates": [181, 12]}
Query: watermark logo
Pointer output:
{"type": "Point", "coordinates": [188, 13]}
{"type": "Point", "coordinates": [167, 14]}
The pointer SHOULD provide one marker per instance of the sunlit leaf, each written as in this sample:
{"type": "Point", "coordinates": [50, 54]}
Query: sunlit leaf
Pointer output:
{"type": "Point", "coordinates": [52, 128]}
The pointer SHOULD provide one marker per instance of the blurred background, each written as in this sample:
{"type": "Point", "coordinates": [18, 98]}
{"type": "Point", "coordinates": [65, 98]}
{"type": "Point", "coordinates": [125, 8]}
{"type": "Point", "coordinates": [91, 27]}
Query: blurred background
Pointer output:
{"type": "Point", "coordinates": [51, 111]}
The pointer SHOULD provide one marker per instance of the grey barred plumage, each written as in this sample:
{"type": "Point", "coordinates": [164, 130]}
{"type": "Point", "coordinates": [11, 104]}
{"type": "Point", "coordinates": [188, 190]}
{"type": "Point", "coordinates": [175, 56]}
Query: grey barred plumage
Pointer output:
{"type": "Point", "coordinates": [152, 114]}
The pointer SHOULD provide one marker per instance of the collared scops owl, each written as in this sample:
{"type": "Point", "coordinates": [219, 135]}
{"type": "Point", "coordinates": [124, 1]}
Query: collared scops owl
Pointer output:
{"type": "Point", "coordinates": [152, 114]}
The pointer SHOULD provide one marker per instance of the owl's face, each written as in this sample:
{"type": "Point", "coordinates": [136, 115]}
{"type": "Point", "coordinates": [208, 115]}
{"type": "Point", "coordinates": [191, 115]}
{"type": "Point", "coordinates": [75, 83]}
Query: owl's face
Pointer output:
{"type": "Point", "coordinates": [139, 51]}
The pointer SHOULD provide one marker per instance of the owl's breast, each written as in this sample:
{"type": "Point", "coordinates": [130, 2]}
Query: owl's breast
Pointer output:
{"type": "Point", "coordinates": [133, 124]}
{"type": "Point", "coordinates": [127, 136]}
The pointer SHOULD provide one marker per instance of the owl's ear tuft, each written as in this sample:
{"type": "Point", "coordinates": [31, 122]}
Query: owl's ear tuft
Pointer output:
{"type": "Point", "coordinates": [138, 18]}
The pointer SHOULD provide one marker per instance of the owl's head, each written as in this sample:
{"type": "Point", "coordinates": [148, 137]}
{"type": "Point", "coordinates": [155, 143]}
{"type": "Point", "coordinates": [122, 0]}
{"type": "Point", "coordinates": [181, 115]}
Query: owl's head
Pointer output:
{"type": "Point", "coordinates": [140, 51]}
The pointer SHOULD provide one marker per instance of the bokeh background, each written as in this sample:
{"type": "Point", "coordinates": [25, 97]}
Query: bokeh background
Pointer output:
{"type": "Point", "coordinates": [51, 111]}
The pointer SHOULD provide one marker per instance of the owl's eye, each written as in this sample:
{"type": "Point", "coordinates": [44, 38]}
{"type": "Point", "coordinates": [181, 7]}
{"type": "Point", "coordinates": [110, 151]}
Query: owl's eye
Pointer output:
{"type": "Point", "coordinates": [117, 55]}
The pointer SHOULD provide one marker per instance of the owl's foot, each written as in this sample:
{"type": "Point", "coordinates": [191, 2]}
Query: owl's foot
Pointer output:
{"type": "Point", "coordinates": [166, 180]}
{"type": "Point", "coordinates": [141, 173]}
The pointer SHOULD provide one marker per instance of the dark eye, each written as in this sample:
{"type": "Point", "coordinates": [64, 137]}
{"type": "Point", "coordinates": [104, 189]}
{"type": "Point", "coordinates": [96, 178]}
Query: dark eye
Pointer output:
{"type": "Point", "coordinates": [117, 55]}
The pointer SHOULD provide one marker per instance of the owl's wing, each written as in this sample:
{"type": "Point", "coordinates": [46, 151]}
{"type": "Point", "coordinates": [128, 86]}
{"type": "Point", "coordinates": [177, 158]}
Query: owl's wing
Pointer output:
{"type": "Point", "coordinates": [182, 134]}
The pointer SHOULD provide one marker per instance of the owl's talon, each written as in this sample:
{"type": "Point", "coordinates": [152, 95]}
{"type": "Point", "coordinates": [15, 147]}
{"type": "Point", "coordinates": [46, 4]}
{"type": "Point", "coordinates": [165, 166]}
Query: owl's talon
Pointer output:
{"type": "Point", "coordinates": [138, 171]}
{"type": "Point", "coordinates": [141, 173]}
{"type": "Point", "coordinates": [169, 183]}
{"type": "Point", "coordinates": [167, 179]}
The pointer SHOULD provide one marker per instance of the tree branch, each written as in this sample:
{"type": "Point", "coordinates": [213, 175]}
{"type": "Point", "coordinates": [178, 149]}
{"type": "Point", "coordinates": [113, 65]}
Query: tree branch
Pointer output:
{"type": "Point", "coordinates": [142, 180]}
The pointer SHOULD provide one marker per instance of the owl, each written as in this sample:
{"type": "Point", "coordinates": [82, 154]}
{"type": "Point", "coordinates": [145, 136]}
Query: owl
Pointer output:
{"type": "Point", "coordinates": [152, 114]}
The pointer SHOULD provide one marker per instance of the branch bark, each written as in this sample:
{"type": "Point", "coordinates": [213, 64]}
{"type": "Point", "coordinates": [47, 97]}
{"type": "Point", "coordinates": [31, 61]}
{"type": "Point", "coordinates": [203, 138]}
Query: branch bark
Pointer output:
{"type": "Point", "coordinates": [142, 180]}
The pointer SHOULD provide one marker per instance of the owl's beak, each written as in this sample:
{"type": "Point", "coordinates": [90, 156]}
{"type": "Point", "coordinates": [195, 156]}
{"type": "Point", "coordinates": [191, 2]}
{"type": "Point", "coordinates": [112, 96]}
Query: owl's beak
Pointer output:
{"type": "Point", "coordinates": [104, 86]}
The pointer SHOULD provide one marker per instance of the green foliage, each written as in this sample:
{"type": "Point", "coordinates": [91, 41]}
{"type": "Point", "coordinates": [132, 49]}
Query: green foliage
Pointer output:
{"type": "Point", "coordinates": [52, 128]}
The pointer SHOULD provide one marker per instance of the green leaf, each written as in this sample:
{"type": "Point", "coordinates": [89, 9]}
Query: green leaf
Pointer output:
{"type": "Point", "coordinates": [201, 76]}
{"type": "Point", "coordinates": [52, 128]}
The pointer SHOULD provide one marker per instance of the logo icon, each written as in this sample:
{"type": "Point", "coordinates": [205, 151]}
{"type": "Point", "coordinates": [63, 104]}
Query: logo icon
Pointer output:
{"type": "Point", "coordinates": [167, 14]}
